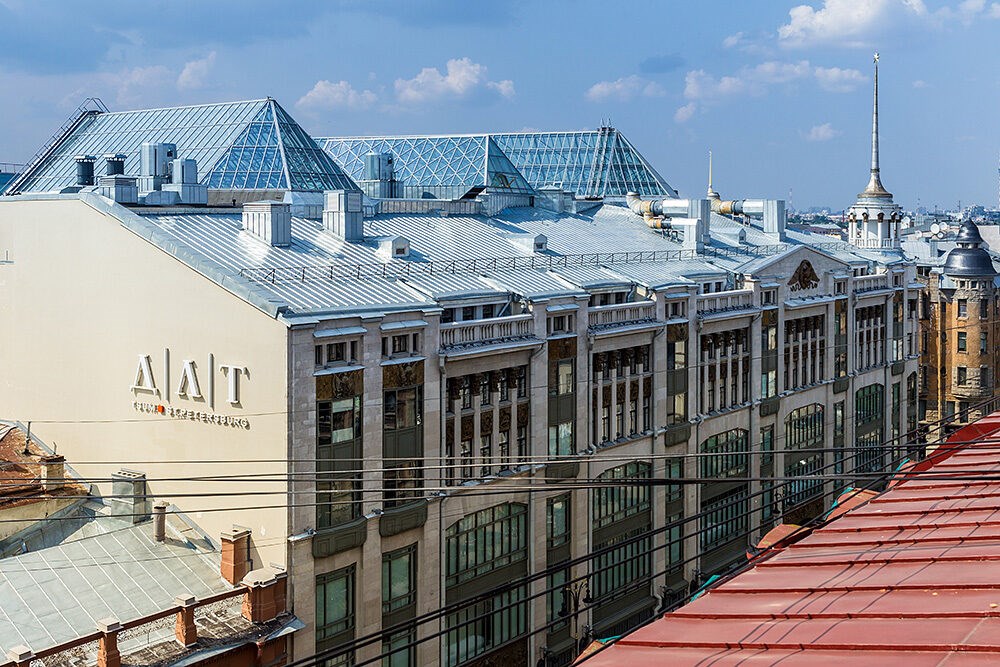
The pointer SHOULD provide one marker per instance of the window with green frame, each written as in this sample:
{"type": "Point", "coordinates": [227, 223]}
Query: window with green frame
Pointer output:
{"type": "Point", "coordinates": [399, 578]}
{"type": "Point", "coordinates": [615, 498]}
{"type": "Point", "coordinates": [485, 541]}
{"type": "Point", "coordinates": [557, 521]}
{"type": "Point", "coordinates": [334, 603]}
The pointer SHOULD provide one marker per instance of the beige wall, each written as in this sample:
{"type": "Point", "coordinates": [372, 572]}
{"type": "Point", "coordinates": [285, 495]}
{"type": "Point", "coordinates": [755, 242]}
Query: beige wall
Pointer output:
{"type": "Point", "coordinates": [81, 299]}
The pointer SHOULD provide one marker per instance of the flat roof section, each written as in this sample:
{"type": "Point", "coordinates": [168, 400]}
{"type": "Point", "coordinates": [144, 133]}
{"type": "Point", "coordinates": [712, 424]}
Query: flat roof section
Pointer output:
{"type": "Point", "coordinates": [910, 578]}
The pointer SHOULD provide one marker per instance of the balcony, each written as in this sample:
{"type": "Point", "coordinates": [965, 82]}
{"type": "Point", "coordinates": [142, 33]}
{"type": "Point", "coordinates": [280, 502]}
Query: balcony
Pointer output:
{"type": "Point", "coordinates": [722, 303]}
{"type": "Point", "coordinates": [618, 315]}
{"type": "Point", "coordinates": [864, 284]}
{"type": "Point", "coordinates": [479, 333]}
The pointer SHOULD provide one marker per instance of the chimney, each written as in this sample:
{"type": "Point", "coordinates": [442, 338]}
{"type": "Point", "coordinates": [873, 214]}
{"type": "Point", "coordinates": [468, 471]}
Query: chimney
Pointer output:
{"type": "Point", "coordinates": [235, 554]}
{"type": "Point", "coordinates": [270, 221]}
{"type": "Point", "coordinates": [114, 164]}
{"type": "Point", "coordinates": [160, 522]}
{"type": "Point", "coordinates": [130, 500]}
{"type": "Point", "coordinates": [53, 472]}
{"type": "Point", "coordinates": [342, 214]}
{"type": "Point", "coordinates": [85, 169]}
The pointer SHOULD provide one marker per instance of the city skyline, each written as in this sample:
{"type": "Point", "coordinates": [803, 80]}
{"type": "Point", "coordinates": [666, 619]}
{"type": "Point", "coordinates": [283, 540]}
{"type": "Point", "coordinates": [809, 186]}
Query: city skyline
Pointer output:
{"type": "Point", "coordinates": [779, 97]}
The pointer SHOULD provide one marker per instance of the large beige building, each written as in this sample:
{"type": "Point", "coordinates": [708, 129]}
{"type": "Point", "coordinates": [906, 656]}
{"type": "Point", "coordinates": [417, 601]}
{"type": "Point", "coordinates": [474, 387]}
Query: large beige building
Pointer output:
{"type": "Point", "coordinates": [474, 405]}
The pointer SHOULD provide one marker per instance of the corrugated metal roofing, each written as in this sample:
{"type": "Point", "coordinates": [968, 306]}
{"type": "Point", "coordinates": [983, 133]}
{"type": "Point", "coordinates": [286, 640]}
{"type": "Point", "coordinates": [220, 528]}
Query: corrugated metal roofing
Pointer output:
{"type": "Point", "coordinates": [910, 578]}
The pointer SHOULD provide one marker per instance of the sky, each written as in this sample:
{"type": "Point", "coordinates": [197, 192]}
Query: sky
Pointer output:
{"type": "Point", "coordinates": [779, 91]}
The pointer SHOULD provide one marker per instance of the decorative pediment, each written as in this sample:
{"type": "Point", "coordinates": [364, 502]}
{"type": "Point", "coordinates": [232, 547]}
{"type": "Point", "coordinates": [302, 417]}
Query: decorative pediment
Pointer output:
{"type": "Point", "coordinates": [804, 278]}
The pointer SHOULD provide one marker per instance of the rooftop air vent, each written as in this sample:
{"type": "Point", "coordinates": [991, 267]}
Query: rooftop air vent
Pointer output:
{"type": "Point", "coordinates": [184, 181]}
{"type": "Point", "coordinates": [343, 215]}
{"type": "Point", "coordinates": [121, 189]}
{"type": "Point", "coordinates": [154, 165]}
{"type": "Point", "coordinates": [530, 242]}
{"type": "Point", "coordinates": [85, 169]}
{"type": "Point", "coordinates": [114, 164]}
{"type": "Point", "coordinates": [270, 221]}
{"type": "Point", "coordinates": [393, 247]}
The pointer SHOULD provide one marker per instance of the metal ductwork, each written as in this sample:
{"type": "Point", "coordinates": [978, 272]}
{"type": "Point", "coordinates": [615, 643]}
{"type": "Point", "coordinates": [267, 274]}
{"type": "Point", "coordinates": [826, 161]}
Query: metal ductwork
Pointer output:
{"type": "Point", "coordinates": [85, 169]}
{"type": "Point", "coordinates": [754, 207]}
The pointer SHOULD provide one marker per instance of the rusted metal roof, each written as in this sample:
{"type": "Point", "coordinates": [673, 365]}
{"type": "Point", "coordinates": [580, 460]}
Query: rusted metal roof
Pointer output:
{"type": "Point", "coordinates": [912, 577]}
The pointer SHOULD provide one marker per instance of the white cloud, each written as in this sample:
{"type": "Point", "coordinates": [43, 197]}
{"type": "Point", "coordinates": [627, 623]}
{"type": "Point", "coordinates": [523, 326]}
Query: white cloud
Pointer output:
{"type": "Point", "coordinates": [624, 89]}
{"type": "Point", "coordinates": [461, 79]}
{"type": "Point", "coordinates": [837, 80]}
{"type": "Point", "coordinates": [919, 83]}
{"type": "Point", "coordinates": [994, 12]}
{"type": "Point", "coordinates": [135, 86]}
{"type": "Point", "coordinates": [327, 95]}
{"type": "Point", "coordinates": [732, 40]}
{"type": "Point", "coordinates": [845, 22]}
{"type": "Point", "coordinates": [699, 85]}
{"type": "Point", "coordinates": [195, 73]}
{"type": "Point", "coordinates": [823, 132]}
{"type": "Point", "coordinates": [684, 113]}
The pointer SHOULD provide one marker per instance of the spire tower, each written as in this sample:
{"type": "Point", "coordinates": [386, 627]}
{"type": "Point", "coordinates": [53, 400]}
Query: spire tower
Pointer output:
{"type": "Point", "coordinates": [874, 187]}
{"type": "Point", "coordinates": [874, 220]}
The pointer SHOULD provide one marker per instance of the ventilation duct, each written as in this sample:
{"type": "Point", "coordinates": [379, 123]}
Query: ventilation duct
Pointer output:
{"type": "Point", "coordinates": [120, 189]}
{"type": "Point", "coordinates": [380, 176]}
{"type": "Point", "coordinates": [114, 164]}
{"type": "Point", "coordinates": [184, 181]}
{"type": "Point", "coordinates": [689, 216]}
{"type": "Point", "coordinates": [270, 221]}
{"type": "Point", "coordinates": [154, 165]}
{"type": "Point", "coordinates": [129, 501]}
{"type": "Point", "coordinates": [85, 169]}
{"type": "Point", "coordinates": [343, 215]}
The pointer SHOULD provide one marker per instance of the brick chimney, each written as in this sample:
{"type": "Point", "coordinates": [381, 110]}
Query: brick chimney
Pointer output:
{"type": "Point", "coordinates": [53, 472]}
{"type": "Point", "coordinates": [235, 554]}
{"type": "Point", "coordinates": [266, 594]}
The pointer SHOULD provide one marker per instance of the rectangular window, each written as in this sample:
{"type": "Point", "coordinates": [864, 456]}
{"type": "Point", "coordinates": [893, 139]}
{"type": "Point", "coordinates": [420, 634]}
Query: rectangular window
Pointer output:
{"type": "Point", "coordinates": [555, 603]}
{"type": "Point", "coordinates": [961, 375]}
{"type": "Point", "coordinates": [503, 449]}
{"type": "Point", "coordinates": [486, 454]}
{"type": "Point", "coordinates": [675, 470]}
{"type": "Point", "coordinates": [522, 444]}
{"type": "Point", "coordinates": [400, 343]}
{"type": "Point", "coordinates": [334, 603]}
{"type": "Point", "coordinates": [676, 354]}
{"type": "Point", "coordinates": [983, 342]}
{"type": "Point", "coordinates": [448, 316]}
{"type": "Point", "coordinates": [400, 649]}
{"type": "Point", "coordinates": [619, 500]}
{"type": "Point", "coordinates": [468, 313]}
{"type": "Point", "coordinates": [522, 382]}
{"type": "Point", "coordinates": [338, 448]}
{"type": "Point", "coordinates": [485, 541]}
{"type": "Point", "coordinates": [767, 445]}
{"type": "Point", "coordinates": [557, 521]}
{"type": "Point", "coordinates": [675, 543]}
{"type": "Point", "coordinates": [564, 377]}
{"type": "Point", "coordinates": [399, 579]}
{"type": "Point", "coordinates": [488, 310]}
{"type": "Point", "coordinates": [963, 308]}
{"type": "Point", "coordinates": [984, 309]}
{"type": "Point", "coordinates": [484, 389]}
{"type": "Point", "coordinates": [962, 341]}
{"type": "Point", "coordinates": [561, 439]}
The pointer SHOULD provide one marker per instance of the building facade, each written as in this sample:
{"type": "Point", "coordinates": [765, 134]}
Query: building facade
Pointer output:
{"type": "Point", "coordinates": [959, 312]}
{"type": "Point", "coordinates": [457, 428]}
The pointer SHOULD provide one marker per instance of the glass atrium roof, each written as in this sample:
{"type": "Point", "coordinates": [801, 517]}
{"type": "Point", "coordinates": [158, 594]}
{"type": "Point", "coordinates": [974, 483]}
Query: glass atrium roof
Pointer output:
{"type": "Point", "coordinates": [433, 166]}
{"type": "Point", "coordinates": [600, 162]}
{"type": "Point", "coordinates": [238, 145]}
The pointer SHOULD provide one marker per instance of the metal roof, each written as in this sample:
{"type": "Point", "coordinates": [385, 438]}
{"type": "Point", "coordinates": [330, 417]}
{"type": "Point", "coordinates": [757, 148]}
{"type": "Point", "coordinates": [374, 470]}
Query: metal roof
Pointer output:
{"type": "Point", "coordinates": [910, 578]}
{"type": "Point", "coordinates": [238, 145]}
{"type": "Point", "coordinates": [58, 594]}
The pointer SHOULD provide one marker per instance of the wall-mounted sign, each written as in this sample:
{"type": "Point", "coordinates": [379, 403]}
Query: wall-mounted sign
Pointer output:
{"type": "Point", "coordinates": [195, 383]}
{"type": "Point", "coordinates": [192, 415]}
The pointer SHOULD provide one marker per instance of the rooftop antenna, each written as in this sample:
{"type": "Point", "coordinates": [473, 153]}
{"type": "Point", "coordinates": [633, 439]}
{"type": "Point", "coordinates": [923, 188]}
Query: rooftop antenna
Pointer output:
{"type": "Point", "coordinates": [27, 441]}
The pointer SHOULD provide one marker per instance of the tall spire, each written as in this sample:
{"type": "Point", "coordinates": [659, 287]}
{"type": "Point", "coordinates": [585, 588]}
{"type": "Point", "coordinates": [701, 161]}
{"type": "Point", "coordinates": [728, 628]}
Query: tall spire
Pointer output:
{"type": "Point", "coordinates": [874, 187]}
{"type": "Point", "coordinates": [712, 194]}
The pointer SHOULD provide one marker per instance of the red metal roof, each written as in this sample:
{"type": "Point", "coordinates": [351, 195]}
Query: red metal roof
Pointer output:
{"type": "Point", "coordinates": [910, 578]}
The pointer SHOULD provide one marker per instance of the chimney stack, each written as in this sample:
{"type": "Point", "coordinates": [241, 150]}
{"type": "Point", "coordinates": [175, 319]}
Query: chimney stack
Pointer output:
{"type": "Point", "coordinates": [235, 554]}
{"type": "Point", "coordinates": [130, 500]}
{"type": "Point", "coordinates": [115, 164]}
{"type": "Point", "coordinates": [160, 522]}
{"type": "Point", "coordinates": [53, 472]}
{"type": "Point", "coordinates": [270, 221]}
{"type": "Point", "coordinates": [343, 215]}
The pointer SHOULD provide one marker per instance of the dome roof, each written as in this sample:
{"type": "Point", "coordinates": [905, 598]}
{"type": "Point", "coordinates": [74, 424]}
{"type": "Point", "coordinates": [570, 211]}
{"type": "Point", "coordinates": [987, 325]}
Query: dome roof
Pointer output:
{"type": "Point", "coordinates": [969, 258]}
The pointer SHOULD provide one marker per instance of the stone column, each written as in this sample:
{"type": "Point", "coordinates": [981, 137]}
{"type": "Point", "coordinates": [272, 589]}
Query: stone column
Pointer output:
{"type": "Point", "coordinates": [185, 630]}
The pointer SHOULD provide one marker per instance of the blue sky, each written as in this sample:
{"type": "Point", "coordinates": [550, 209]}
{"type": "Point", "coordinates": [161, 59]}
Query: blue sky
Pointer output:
{"type": "Point", "coordinates": [780, 91]}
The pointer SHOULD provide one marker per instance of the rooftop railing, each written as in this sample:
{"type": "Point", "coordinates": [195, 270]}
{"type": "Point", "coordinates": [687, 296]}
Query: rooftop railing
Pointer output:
{"type": "Point", "coordinates": [483, 332]}
{"type": "Point", "coordinates": [871, 283]}
{"type": "Point", "coordinates": [621, 314]}
{"type": "Point", "coordinates": [722, 302]}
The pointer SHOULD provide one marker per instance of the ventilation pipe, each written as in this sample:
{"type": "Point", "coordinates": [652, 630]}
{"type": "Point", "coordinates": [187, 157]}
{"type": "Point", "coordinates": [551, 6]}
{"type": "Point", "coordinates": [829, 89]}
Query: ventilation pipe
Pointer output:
{"type": "Point", "coordinates": [114, 164]}
{"type": "Point", "coordinates": [85, 169]}
{"type": "Point", "coordinates": [160, 522]}
{"type": "Point", "coordinates": [690, 216]}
